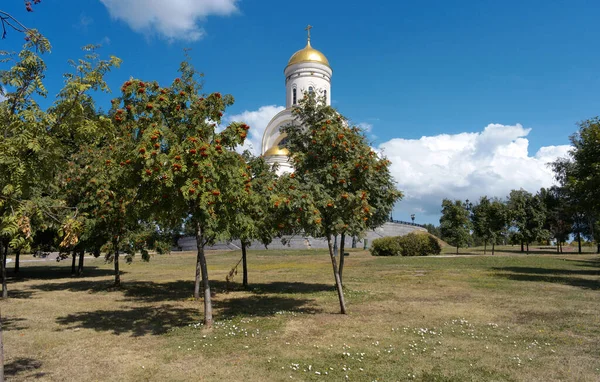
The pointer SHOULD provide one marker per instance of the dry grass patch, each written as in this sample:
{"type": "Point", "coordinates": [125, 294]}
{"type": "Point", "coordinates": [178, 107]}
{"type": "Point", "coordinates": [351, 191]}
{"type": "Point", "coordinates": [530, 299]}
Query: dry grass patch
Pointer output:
{"type": "Point", "coordinates": [503, 318]}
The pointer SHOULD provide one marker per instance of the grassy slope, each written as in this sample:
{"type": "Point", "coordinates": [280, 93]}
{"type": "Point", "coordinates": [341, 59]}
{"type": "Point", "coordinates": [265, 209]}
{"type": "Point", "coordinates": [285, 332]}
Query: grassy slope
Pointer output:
{"type": "Point", "coordinates": [529, 318]}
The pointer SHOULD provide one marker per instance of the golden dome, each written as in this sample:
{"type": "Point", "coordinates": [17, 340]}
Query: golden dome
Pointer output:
{"type": "Point", "coordinates": [276, 150]}
{"type": "Point", "coordinates": [308, 54]}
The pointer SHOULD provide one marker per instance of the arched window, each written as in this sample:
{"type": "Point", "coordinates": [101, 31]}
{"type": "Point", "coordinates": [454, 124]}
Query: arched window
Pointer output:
{"type": "Point", "coordinates": [325, 94]}
{"type": "Point", "coordinates": [311, 90]}
{"type": "Point", "coordinates": [294, 97]}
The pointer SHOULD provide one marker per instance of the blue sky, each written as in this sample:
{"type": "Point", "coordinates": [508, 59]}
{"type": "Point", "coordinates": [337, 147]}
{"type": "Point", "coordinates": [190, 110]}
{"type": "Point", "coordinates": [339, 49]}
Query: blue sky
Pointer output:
{"type": "Point", "coordinates": [405, 69]}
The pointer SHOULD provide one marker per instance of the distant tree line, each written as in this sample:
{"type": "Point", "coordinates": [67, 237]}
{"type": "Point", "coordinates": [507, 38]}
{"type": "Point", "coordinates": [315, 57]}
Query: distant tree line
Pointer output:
{"type": "Point", "coordinates": [569, 209]}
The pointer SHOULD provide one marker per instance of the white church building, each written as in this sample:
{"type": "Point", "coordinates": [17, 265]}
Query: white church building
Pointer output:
{"type": "Point", "coordinates": [307, 70]}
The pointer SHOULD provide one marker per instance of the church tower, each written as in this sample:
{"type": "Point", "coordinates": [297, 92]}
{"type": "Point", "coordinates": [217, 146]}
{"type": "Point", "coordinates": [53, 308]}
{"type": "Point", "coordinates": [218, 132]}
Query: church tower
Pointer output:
{"type": "Point", "coordinates": [307, 71]}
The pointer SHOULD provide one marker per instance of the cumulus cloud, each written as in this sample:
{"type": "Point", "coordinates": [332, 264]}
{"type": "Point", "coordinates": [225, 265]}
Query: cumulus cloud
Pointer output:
{"type": "Point", "coordinates": [467, 166]}
{"type": "Point", "coordinates": [172, 19]}
{"type": "Point", "coordinates": [258, 121]}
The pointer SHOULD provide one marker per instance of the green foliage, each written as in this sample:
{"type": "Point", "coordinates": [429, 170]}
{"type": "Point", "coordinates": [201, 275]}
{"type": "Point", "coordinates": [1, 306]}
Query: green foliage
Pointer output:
{"type": "Point", "coordinates": [350, 185]}
{"type": "Point", "coordinates": [255, 218]}
{"type": "Point", "coordinates": [455, 224]}
{"type": "Point", "coordinates": [413, 244]}
{"type": "Point", "coordinates": [419, 244]}
{"type": "Point", "coordinates": [528, 215]}
{"type": "Point", "coordinates": [490, 219]}
{"type": "Point", "coordinates": [386, 246]}
{"type": "Point", "coordinates": [579, 179]}
{"type": "Point", "coordinates": [434, 230]}
{"type": "Point", "coordinates": [188, 168]}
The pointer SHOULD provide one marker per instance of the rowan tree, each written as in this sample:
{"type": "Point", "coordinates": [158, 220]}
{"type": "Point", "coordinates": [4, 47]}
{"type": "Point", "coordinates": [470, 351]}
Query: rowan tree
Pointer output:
{"type": "Point", "coordinates": [343, 181]}
{"type": "Point", "coordinates": [255, 218]}
{"type": "Point", "coordinates": [188, 165]}
{"type": "Point", "coordinates": [28, 151]}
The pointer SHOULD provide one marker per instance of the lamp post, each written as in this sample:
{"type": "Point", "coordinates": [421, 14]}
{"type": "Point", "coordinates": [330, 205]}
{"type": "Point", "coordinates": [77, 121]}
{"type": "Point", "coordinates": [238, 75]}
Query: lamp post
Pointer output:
{"type": "Point", "coordinates": [412, 217]}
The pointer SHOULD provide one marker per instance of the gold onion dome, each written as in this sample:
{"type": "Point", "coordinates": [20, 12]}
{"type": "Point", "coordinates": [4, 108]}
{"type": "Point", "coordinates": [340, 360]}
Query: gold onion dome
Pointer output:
{"type": "Point", "coordinates": [308, 54]}
{"type": "Point", "coordinates": [274, 151]}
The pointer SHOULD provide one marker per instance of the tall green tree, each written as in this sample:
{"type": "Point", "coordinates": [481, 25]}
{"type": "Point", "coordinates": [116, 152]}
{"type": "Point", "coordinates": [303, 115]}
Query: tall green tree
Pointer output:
{"type": "Point", "coordinates": [579, 175]}
{"type": "Point", "coordinates": [559, 221]}
{"type": "Point", "coordinates": [528, 215]}
{"type": "Point", "coordinates": [28, 149]}
{"type": "Point", "coordinates": [490, 219]}
{"type": "Point", "coordinates": [455, 224]}
{"type": "Point", "coordinates": [254, 221]}
{"type": "Point", "coordinates": [337, 171]}
{"type": "Point", "coordinates": [188, 166]}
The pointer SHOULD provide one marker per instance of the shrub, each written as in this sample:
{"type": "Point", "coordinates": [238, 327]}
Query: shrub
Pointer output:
{"type": "Point", "coordinates": [386, 246]}
{"type": "Point", "coordinates": [419, 244]}
{"type": "Point", "coordinates": [413, 244]}
{"type": "Point", "coordinates": [435, 247]}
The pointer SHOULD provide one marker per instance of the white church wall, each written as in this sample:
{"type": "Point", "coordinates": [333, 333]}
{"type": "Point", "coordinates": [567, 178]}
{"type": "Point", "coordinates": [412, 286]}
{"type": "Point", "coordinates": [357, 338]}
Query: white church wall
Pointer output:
{"type": "Point", "coordinates": [304, 75]}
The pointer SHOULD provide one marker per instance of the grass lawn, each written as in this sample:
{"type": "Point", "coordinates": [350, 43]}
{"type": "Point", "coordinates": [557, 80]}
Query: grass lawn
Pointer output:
{"type": "Point", "coordinates": [479, 318]}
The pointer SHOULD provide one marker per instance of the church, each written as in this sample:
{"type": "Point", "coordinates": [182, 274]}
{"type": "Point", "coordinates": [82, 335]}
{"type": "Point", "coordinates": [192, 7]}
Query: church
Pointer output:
{"type": "Point", "coordinates": [307, 71]}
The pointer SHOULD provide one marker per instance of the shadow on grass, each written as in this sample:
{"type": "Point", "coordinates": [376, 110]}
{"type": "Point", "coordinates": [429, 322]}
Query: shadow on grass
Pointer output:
{"type": "Point", "coordinates": [586, 263]}
{"type": "Point", "coordinates": [13, 323]}
{"type": "Point", "coordinates": [147, 291]}
{"type": "Point", "coordinates": [55, 272]}
{"type": "Point", "coordinates": [534, 251]}
{"type": "Point", "coordinates": [290, 287]}
{"type": "Point", "coordinates": [558, 276]}
{"type": "Point", "coordinates": [549, 271]}
{"type": "Point", "coordinates": [23, 365]}
{"type": "Point", "coordinates": [19, 294]}
{"type": "Point", "coordinates": [136, 321]}
{"type": "Point", "coordinates": [263, 306]}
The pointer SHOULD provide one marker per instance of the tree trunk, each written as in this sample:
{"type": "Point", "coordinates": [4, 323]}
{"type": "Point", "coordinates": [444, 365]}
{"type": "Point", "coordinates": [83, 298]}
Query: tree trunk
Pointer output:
{"type": "Point", "coordinates": [557, 246]}
{"type": "Point", "coordinates": [522, 249]}
{"type": "Point", "coordinates": [1, 351]}
{"type": "Point", "coordinates": [5, 253]}
{"type": "Point", "coordinates": [336, 274]}
{"type": "Point", "coordinates": [493, 247]}
{"type": "Point", "coordinates": [484, 246]}
{"type": "Point", "coordinates": [3, 270]}
{"type": "Point", "coordinates": [598, 247]}
{"type": "Point", "coordinates": [528, 248]}
{"type": "Point", "coordinates": [73, 263]}
{"type": "Point", "coordinates": [335, 246]}
{"type": "Point", "coordinates": [80, 265]}
{"type": "Point", "coordinates": [353, 241]}
{"type": "Point", "coordinates": [117, 273]}
{"type": "Point", "coordinates": [579, 242]}
{"type": "Point", "coordinates": [457, 249]}
{"type": "Point", "coordinates": [202, 270]}
{"type": "Point", "coordinates": [342, 245]}
{"type": "Point", "coordinates": [244, 265]}
{"type": "Point", "coordinates": [17, 259]}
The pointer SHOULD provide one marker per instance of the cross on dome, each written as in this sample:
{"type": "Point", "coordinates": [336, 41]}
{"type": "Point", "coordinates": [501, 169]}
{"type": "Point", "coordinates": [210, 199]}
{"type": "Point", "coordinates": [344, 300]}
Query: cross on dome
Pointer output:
{"type": "Point", "coordinates": [307, 29]}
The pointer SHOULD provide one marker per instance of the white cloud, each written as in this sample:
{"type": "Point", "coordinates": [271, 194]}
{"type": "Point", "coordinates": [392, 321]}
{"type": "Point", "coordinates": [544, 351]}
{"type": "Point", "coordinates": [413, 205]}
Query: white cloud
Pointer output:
{"type": "Point", "coordinates": [258, 121]}
{"type": "Point", "coordinates": [173, 19]}
{"type": "Point", "coordinates": [467, 166]}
